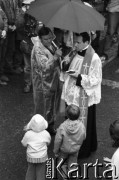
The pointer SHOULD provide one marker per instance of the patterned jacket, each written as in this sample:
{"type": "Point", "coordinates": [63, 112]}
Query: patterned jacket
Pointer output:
{"type": "Point", "coordinates": [10, 7]}
{"type": "Point", "coordinates": [3, 20]}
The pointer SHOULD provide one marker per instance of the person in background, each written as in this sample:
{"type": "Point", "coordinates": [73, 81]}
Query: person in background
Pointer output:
{"type": "Point", "coordinates": [114, 161]}
{"type": "Point", "coordinates": [82, 87]}
{"type": "Point", "coordinates": [29, 30]}
{"type": "Point", "coordinates": [18, 56]}
{"type": "Point", "coordinates": [3, 33]}
{"type": "Point", "coordinates": [10, 7]}
{"type": "Point", "coordinates": [113, 25]}
{"type": "Point", "coordinates": [36, 140]}
{"type": "Point", "coordinates": [69, 137]}
{"type": "Point", "coordinates": [45, 75]}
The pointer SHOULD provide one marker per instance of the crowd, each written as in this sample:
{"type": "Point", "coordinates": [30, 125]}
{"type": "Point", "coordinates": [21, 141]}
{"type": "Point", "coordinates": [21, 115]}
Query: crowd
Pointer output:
{"type": "Point", "coordinates": [64, 69]}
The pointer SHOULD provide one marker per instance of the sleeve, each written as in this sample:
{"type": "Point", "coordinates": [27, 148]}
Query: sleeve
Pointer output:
{"type": "Point", "coordinates": [65, 66]}
{"type": "Point", "coordinates": [2, 5]}
{"type": "Point", "coordinates": [48, 139]}
{"type": "Point", "coordinates": [94, 78]}
{"type": "Point", "coordinates": [24, 141]}
{"type": "Point", "coordinates": [115, 167]}
{"type": "Point", "coordinates": [43, 61]}
{"type": "Point", "coordinates": [5, 21]}
{"type": "Point", "coordinates": [78, 81]}
{"type": "Point", "coordinates": [17, 11]}
{"type": "Point", "coordinates": [58, 141]}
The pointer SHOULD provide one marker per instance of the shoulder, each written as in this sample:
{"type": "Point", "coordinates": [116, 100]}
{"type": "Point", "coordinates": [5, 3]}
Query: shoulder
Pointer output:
{"type": "Point", "coordinates": [61, 128]}
{"type": "Point", "coordinates": [45, 133]}
{"type": "Point", "coordinates": [27, 135]}
{"type": "Point", "coordinates": [96, 59]}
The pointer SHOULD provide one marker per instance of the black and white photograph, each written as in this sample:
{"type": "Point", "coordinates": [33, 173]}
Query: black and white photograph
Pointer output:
{"type": "Point", "coordinates": [59, 89]}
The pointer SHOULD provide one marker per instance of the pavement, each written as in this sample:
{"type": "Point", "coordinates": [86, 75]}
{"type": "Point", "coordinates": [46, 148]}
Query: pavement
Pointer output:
{"type": "Point", "coordinates": [16, 109]}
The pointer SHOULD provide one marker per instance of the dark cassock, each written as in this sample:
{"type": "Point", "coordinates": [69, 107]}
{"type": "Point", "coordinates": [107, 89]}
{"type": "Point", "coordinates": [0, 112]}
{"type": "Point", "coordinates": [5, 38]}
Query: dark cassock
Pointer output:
{"type": "Point", "coordinates": [84, 91]}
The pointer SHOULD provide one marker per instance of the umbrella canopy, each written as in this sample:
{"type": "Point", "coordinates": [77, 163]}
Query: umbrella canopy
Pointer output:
{"type": "Point", "coordinates": [71, 15]}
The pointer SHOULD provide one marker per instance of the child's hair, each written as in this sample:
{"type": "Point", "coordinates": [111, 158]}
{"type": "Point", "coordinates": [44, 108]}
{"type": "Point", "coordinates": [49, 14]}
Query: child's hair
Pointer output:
{"type": "Point", "coordinates": [114, 132]}
{"type": "Point", "coordinates": [73, 112]}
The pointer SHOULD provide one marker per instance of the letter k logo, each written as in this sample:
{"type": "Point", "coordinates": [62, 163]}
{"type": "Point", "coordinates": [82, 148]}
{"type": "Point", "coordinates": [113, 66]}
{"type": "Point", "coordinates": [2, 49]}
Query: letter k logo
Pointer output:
{"type": "Point", "coordinates": [62, 169]}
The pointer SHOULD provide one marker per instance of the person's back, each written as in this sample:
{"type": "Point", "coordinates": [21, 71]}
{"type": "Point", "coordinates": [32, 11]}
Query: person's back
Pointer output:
{"type": "Point", "coordinates": [69, 137]}
{"type": "Point", "coordinates": [73, 133]}
{"type": "Point", "coordinates": [36, 139]}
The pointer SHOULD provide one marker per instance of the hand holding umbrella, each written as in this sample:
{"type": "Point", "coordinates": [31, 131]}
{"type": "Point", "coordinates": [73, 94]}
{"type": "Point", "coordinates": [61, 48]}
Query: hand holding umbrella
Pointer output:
{"type": "Point", "coordinates": [58, 53]}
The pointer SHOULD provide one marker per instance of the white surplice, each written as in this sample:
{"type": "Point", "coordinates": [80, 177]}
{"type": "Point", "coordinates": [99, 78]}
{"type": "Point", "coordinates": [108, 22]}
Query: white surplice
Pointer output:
{"type": "Point", "coordinates": [91, 82]}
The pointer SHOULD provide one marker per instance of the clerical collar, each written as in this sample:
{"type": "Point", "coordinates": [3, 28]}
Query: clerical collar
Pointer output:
{"type": "Point", "coordinates": [83, 52]}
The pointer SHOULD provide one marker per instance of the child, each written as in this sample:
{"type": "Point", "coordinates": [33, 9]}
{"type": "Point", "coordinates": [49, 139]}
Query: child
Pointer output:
{"type": "Point", "coordinates": [69, 137]}
{"type": "Point", "coordinates": [36, 139]}
{"type": "Point", "coordinates": [114, 133]}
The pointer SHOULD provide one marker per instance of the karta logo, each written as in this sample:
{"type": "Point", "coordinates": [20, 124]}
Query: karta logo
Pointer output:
{"type": "Point", "coordinates": [56, 168]}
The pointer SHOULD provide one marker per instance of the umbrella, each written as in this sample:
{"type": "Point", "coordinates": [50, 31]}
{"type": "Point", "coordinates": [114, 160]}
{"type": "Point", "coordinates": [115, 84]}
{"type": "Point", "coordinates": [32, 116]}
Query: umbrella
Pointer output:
{"type": "Point", "coordinates": [71, 15]}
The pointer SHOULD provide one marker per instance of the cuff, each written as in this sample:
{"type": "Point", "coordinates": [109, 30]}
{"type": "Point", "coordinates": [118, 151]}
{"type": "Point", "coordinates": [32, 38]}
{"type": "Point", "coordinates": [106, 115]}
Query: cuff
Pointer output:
{"type": "Point", "coordinates": [79, 79]}
{"type": "Point", "coordinates": [65, 66]}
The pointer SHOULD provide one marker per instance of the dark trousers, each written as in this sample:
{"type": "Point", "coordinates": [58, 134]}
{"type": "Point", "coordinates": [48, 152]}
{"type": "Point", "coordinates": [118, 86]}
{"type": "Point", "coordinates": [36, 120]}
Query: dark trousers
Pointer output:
{"type": "Point", "coordinates": [3, 44]}
{"type": "Point", "coordinates": [27, 69]}
{"type": "Point", "coordinates": [10, 49]}
{"type": "Point", "coordinates": [18, 55]}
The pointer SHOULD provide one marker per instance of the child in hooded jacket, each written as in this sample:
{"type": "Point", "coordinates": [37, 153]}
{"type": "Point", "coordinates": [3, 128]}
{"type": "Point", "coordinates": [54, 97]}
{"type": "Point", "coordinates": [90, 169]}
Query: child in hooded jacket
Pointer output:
{"type": "Point", "coordinates": [36, 139]}
{"type": "Point", "coordinates": [69, 137]}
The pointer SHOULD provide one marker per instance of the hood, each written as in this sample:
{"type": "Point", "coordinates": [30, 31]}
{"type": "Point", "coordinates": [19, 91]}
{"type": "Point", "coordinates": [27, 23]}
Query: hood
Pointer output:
{"type": "Point", "coordinates": [37, 123]}
{"type": "Point", "coordinates": [37, 42]}
{"type": "Point", "coordinates": [72, 127]}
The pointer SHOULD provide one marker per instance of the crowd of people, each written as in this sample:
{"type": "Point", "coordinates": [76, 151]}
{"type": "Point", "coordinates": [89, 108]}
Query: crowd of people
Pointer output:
{"type": "Point", "coordinates": [64, 69]}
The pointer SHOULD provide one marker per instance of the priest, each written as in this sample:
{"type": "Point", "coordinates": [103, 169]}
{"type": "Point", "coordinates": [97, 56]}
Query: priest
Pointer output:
{"type": "Point", "coordinates": [82, 87]}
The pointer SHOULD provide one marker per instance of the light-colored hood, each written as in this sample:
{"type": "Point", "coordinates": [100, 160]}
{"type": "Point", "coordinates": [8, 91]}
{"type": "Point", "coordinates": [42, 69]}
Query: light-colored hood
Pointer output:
{"type": "Point", "coordinates": [37, 42]}
{"type": "Point", "coordinates": [37, 123]}
{"type": "Point", "coordinates": [72, 127]}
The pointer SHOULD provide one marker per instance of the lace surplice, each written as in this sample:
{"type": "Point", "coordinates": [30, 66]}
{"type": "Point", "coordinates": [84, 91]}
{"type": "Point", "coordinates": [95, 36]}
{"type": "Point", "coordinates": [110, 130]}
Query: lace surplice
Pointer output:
{"type": "Point", "coordinates": [91, 82]}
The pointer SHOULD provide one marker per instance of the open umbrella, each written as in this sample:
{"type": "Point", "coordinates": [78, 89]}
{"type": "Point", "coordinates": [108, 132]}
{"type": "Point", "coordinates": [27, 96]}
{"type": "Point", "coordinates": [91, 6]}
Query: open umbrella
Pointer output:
{"type": "Point", "coordinates": [71, 15]}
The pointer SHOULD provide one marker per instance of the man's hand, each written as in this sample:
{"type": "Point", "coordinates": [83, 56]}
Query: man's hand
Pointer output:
{"type": "Point", "coordinates": [58, 53]}
{"type": "Point", "coordinates": [67, 59]}
{"type": "Point", "coordinates": [12, 28]}
{"type": "Point", "coordinates": [3, 34]}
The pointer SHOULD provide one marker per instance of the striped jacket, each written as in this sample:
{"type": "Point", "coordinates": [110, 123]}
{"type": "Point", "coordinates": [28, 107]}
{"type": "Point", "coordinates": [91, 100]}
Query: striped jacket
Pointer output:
{"type": "Point", "coordinates": [10, 7]}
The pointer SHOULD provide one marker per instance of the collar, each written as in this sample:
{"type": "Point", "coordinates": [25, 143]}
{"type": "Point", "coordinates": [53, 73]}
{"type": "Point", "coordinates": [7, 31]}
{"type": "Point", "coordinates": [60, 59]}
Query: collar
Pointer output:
{"type": "Point", "coordinates": [86, 47]}
{"type": "Point", "coordinates": [83, 52]}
